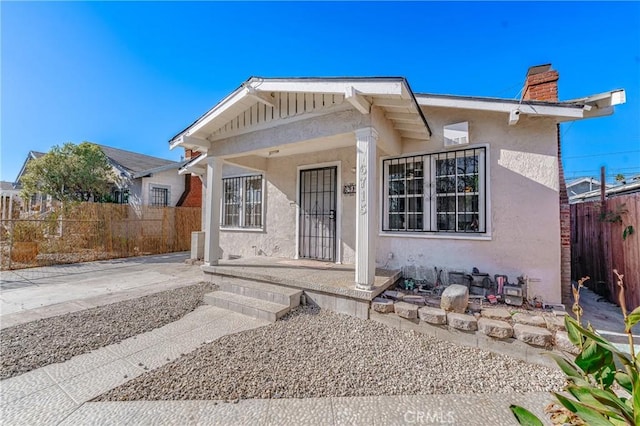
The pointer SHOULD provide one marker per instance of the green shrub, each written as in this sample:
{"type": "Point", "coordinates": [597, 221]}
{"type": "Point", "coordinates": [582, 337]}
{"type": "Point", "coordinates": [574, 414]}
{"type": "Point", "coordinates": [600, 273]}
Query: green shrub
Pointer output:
{"type": "Point", "coordinates": [593, 375]}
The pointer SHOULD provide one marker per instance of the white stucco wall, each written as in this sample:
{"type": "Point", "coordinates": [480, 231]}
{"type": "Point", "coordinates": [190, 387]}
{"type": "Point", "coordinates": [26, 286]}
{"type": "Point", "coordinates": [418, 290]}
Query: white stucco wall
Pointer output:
{"type": "Point", "coordinates": [278, 237]}
{"type": "Point", "coordinates": [167, 179]}
{"type": "Point", "coordinates": [523, 224]}
{"type": "Point", "coordinates": [523, 206]}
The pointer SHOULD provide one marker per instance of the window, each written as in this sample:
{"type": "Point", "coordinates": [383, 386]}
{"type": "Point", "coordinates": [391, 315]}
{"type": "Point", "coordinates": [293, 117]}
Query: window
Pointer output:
{"type": "Point", "coordinates": [442, 192]}
{"type": "Point", "coordinates": [159, 197]}
{"type": "Point", "coordinates": [242, 202]}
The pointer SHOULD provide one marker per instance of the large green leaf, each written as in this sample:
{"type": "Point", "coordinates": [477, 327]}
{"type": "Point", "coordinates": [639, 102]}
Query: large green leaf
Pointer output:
{"type": "Point", "coordinates": [574, 334]}
{"type": "Point", "coordinates": [636, 400]}
{"type": "Point", "coordinates": [608, 399]}
{"type": "Point", "coordinates": [632, 319]}
{"type": "Point", "coordinates": [593, 357]}
{"type": "Point", "coordinates": [586, 413]}
{"type": "Point", "coordinates": [568, 367]}
{"type": "Point", "coordinates": [624, 381]}
{"type": "Point", "coordinates": [525, 417]}
{"type": "Point", "coordinates": [600, 341]}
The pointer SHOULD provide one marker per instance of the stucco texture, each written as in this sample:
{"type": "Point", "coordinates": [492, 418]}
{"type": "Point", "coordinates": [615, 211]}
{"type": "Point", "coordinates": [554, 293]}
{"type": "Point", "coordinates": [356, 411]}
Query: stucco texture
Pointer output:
{"type": "Point", "coordinates": [523, 226]}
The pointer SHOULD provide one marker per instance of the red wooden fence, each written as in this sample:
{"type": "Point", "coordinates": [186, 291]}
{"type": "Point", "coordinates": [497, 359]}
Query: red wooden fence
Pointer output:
{"type": "Point", "coordinates": [598, 246]}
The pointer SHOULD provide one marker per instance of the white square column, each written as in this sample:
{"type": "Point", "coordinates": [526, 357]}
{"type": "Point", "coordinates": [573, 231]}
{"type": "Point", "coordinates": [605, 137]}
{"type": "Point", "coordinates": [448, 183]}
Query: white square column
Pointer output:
{"type": "Point", "coordinates": [366, 139]}
{"type": "Point", "coordinates": [212, 215]}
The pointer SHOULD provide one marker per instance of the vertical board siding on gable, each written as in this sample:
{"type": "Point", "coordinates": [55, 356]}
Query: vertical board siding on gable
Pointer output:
{"type": "Point", "coordinates": [287, 105]}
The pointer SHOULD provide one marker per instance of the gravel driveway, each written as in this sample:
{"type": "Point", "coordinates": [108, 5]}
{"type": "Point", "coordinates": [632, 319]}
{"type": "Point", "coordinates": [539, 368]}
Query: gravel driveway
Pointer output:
{"type": "Point", "coordinates": [26, 347]}
{"type": "Point", "coordinates": [314, 353]}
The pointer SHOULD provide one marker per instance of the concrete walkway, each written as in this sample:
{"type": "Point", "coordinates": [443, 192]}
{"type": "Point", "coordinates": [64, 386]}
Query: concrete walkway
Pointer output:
{"type": "Point", "coordinates": [35, 293]}
{"type": "Point", "coordinates": [60, 393]}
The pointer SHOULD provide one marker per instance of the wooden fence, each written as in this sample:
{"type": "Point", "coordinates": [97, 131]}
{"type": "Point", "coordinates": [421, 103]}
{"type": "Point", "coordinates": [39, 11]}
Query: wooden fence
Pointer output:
{"type": "Point", "coordinates": [599, 244]}
{"type": "Point", "coordinates": [95, 231]}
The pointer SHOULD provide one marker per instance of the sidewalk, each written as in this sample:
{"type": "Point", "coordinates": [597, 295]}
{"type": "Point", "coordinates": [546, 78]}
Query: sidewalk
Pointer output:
{"type": "Point", "coordinates": [35, 293]}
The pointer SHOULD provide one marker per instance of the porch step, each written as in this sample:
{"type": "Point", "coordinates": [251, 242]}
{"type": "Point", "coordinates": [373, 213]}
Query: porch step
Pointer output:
{"type": "Point", "coordinates": [249, 306]}
{"type": "Point", "coordinates": [260, 290]}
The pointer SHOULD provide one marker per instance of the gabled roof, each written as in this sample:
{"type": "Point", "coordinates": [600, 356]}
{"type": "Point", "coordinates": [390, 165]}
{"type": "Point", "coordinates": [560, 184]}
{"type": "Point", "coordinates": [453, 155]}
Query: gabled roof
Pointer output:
{"type": "Point", "coordinates": [309, 95]}
{"type": "Point", "coordinates": [135, 162]}
{"type": "Point", "coordinates": [393, 94]}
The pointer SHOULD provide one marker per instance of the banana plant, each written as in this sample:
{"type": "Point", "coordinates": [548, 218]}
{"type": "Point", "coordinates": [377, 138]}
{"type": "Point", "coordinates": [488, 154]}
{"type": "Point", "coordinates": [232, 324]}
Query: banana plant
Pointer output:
{"type": "Point", "coordinates": [593, 374]}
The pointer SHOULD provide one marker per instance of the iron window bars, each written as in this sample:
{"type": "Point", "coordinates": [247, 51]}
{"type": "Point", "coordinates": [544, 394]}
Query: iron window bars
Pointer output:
{"type": "Point", "coordinates": [441, 192]}
{"type": "Point", "coordinates": [242, 202]}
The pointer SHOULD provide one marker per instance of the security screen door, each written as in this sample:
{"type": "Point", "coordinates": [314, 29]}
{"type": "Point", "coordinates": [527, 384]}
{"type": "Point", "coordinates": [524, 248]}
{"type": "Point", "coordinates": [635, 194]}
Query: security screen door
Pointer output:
{"type": "Point", "coordinates": [317, 233]}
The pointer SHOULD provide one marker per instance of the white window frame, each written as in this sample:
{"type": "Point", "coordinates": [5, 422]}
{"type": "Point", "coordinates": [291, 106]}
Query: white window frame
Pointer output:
{"type": "Point", "coordinates": [241, 226]}
{"type": "Point", "coordinates": [429, 197]}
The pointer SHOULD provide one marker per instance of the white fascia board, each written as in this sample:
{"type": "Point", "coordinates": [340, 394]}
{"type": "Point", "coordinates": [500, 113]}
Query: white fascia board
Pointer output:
{"type": "Point", "coordinates": [211, 115]}
{"type": "Point", "coordinates": [190, 142]}
{"type": "Point", "coordinates": [365, 87]}
{"type": "Point", "coordinates": [506, 107]}
{"type": "Point", "coordinates": [603, 100]}
{"type": "Point", "coordinates": [194, 166]}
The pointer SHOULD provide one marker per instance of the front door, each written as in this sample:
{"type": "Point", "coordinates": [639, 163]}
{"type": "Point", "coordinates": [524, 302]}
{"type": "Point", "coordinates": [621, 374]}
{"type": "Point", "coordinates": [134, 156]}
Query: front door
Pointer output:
{"type": "Point", "coordinates": [317, 221]}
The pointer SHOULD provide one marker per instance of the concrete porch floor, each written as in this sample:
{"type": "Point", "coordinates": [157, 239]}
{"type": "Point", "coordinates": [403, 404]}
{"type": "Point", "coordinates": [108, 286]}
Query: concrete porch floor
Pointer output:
{"type": "Point", "coordinates": [315, 276]}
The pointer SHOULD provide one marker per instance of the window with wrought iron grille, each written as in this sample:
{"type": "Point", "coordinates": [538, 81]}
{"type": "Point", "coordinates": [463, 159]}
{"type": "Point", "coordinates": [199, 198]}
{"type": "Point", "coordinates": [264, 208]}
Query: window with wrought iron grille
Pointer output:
{"type": "Point", "coordinates": [442, 192]}
{"type": "Point", "coordinates": [242, 202]}
{"type": "Point", "coordinates": [159, 197]}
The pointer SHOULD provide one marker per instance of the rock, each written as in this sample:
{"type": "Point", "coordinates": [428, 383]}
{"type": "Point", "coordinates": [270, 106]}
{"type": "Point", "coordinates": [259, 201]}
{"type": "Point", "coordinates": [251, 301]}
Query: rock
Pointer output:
{"type": "Point", "coordinates": [462, 321]}
{"type": "Point", "coordinates": [533, 335]}
{"type": "Point", "coordinates": [555, 323]}
{"type": "Point", "coordinates": [495, 328]}
{"type": "Point", "coordinates": [384, 306]}
{"type": "Point", "coordinates": [497, 314]}
{"type": "Point", "coordinates": [406, 310]}
{"type": "Point", "coordinates": [526, 319]}
{"type": "Point", "coordinates": [395, 295]}
{"type": "Point", "coordinates": [416, 300]}
{"type": "Point", "coordinates": [432, 315]}
{"type": "Point", "coordinates": [455, 298]}
{"type": "Point", "coordinates": [563, 343]}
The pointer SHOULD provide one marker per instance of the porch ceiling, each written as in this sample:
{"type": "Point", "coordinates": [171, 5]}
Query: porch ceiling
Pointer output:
{"type": "Point", "coordinates": [261, 104]}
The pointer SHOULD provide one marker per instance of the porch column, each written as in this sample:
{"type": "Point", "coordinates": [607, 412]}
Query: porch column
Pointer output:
{"type": "Point", "coordinates": [212, 214]}
{"type": "Point", "coordinates": [366, 139]}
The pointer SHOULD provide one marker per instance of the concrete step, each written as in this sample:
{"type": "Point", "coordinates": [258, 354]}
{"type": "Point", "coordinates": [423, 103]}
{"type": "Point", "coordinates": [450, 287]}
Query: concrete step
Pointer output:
{"type": "Point", "coordinates": [249, 306]}
{"type": "Point", "coordinates": [260, 290]}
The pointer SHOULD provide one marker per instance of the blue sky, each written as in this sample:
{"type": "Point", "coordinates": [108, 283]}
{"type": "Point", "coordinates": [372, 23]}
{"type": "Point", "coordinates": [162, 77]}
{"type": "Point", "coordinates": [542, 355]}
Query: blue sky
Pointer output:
{"type": "Point", "coordinates": [131, 75]}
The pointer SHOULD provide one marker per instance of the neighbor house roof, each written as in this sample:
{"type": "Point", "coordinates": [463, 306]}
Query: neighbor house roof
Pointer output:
{"type": "Point", "coordinates": [135, 162]}
{"type": "Point", "coordinates": [611, 191]}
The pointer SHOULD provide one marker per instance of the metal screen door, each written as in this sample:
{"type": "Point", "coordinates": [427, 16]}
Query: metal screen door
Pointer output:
{"type": "Point", "coordinates": [317, 222]}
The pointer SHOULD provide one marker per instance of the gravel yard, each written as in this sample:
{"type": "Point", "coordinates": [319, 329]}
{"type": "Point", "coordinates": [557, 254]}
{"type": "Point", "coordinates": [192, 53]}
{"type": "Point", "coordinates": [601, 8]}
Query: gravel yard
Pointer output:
{"type": "Point", "coordinates": [314, 353]}
{"type": "Point", "coordinates": [26, 347]}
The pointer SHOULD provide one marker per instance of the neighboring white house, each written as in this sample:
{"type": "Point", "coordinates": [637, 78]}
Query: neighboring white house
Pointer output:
{"type": "Point", "coordinates": [364, 171]}
{"type": "Point", "coordinates": [143, 180]}
{"type": "Point", "coordinates": [10, 201]}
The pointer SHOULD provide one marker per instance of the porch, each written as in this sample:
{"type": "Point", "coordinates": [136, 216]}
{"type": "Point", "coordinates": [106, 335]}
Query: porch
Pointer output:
{"type": "Point", "coordinates": [326, 284]}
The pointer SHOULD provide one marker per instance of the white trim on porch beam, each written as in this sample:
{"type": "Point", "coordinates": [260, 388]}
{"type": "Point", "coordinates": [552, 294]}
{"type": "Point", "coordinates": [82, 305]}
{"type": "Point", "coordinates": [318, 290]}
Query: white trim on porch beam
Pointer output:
{"type": "Point", "coordinates": [191, 142]}
{"type": "Point", "coordinates": [358, 101]}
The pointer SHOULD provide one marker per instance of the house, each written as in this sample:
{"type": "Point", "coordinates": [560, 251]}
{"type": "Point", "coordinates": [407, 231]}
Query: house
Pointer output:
{"type": "Point", "coordinates": [581, 185]}
{"type": "Point", "coordinates": [10, 200]}
{"type": "Point", "coordinates": [143, 180]}
{"type": "Point", "coordinates": [366, 171]}
{"type": "Point", "coordinates": [628, 186]}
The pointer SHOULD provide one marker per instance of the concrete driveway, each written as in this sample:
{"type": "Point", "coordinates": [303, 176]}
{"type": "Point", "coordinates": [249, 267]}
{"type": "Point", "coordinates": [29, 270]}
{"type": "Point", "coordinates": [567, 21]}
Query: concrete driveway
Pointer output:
{"type": "Point", "coordinates": [34, 293]}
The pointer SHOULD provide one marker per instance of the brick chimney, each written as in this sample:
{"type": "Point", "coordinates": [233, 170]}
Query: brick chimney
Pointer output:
{"type": "Point", "coordinates": [541, 84]}
{"type": "Point", "coordinates": [192, 195]}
